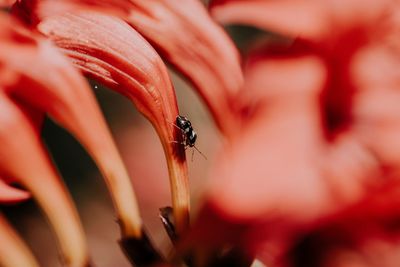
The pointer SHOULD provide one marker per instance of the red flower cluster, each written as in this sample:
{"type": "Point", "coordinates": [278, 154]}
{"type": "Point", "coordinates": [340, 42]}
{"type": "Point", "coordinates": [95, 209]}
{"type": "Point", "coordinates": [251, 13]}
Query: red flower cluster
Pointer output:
{"type": "Point", "coordinates": [308, 175]}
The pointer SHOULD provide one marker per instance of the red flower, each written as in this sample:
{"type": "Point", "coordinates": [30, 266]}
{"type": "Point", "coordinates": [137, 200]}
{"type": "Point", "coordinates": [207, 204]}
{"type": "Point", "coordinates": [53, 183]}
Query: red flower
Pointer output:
{"type": "Point", "coordinates": [182, 32]}
{"type": "Point", "coordinates": [94, 42]}
{"type": "Point", "coordinates": [141, 76]}
{"type": "Point", "coordinates": [20, 135]}
{"type": "Point", "coordinates": [320, 128]}
{"type": "Point", "coordinates": [29, 92]}
{"type": "Point", "coordinates": [110, 61]}
{"type": "Point", "coordinates": [312, 146]}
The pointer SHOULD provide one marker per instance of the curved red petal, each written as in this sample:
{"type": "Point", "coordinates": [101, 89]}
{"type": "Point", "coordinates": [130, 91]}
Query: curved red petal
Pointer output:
{"type": "Point", "coordinates": [183, 33]}
{"type": "Point", "coordinates": [9, 194]}
{"type": "Point", "coordinates": [23, 157]}
{"type": "Point", "coordinates": [34, 11]}
{"type": "Point", "coordinates": [68, 99]}
{"type": "Point", "coordinates": [110, 51]}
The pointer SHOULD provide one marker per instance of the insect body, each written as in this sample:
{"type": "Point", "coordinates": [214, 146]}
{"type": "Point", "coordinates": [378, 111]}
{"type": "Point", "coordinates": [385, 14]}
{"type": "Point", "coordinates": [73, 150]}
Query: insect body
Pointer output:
{"type": "Point", "coordinates": [189, 134]}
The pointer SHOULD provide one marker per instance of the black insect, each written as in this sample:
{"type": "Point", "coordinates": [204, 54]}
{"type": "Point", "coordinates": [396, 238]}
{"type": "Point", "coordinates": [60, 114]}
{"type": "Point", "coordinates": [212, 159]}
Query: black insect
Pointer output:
{"type": "Point", "coordinates": [188, 133]}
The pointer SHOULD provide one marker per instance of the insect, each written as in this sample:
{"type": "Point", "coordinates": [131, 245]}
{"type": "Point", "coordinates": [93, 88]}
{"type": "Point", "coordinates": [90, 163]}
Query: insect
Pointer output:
{"type": "Point", "coordinates": [190, 136]}
{"type": "Point", "coordinates": [188, 133]}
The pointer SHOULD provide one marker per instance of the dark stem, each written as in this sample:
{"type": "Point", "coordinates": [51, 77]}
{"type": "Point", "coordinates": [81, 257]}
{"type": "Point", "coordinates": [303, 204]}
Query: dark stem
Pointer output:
{"type": "Point", "coordinates": [141, 252]}
{"type": "Point", "coordinates": [167, 219]}
{"type": "Point", "coordinates": [234, 257]}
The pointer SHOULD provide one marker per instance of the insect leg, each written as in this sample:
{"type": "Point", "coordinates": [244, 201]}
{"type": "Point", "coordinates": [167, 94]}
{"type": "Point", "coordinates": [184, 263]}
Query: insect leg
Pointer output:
{"type": "Point", "coordinates": [200, 152]}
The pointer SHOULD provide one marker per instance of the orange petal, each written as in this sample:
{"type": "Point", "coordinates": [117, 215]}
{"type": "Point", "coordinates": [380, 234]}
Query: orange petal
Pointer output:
{"type": "Point", "coordinates": [9, 194]}
{"type": "Point", "coordinates": [13, 250]}
{"type": "Point", "coordinates": [23, 157]}
{"type": "Point", "coordinates": [68, 99]}
{"type": "Point", "coordinates": [183, 33]}
{"type": "Point", "coordinates": [110, 51]}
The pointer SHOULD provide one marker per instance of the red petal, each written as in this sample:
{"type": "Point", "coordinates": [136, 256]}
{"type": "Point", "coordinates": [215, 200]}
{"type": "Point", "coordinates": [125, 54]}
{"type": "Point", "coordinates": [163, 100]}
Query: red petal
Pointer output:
{"type": "Point", "coordinates": [187, 37]}
{"type": "Point", "coordinates": [68, 99]}
{"type": "Point", "coordinates": [110, 51]}
{"type": "Point", "coordinates": [23, 157]}
{"type": "Point", "coordinates": [271, 166]}
{"type": "Point", "coordinates": [183, 33]}
{"type": "Point", "coordinates": [375, 70]}
{"type": "Point", "coordinates": [284, 92]}
{"type": "Point", "coordinates": [34, 11]}
{"type": "Point", "coordinates": [6, 3]}
{"type": "Point", "coordinates": [307, 18]}
{"type": "Point", "coordinates": [9, 194]}
{"type": "Point", "coordinates": [269, 173]}
{"type": "Point", "coordinates": [284, 172]}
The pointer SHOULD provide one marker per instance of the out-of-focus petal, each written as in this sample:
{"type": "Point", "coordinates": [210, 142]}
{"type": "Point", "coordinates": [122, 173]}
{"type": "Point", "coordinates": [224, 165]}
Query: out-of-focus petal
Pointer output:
{"type": "Point", "coordinates": [183, 32]}
{"type": "Point", "coordinates": [110, 51]}
{"type": "Point", "coordinates": [309, 19]}
{"type": "Point", "coordinates": [6, 3]}
{"type": "Point", "coordinates": [305, 177]}
{"type": "Point", "coordinates": [68, 99]}
{"type": "Point", "coordinates": [364, 75]}
{"type": "Point", "coordinates": [286, 17]}
{"type": "Point", "coordinates": [252, 180]}
{"type": "Point", "coordinates": [23, 157]}
{"type": "Point", "coordinates": [13, 250]}
{"type": "Point", "coordinates": [280, 104]}
{"type": "Point", "coordinates": [364, 233]}
{"type": "Point", "coordinates": [9, 194]}
{"type": "Point", "coordinates": [376, 73]}
{"type": "Point", "coordinates": [33, 11]}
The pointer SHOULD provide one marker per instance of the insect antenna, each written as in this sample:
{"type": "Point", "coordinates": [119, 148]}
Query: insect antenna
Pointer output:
{"type": "Point", "coordinates": [199, 153]}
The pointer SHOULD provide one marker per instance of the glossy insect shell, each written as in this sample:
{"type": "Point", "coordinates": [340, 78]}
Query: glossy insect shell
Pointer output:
{"type": "Point", "coordinates": [190, 135]}
{"type": "Point", "coordinates": [191, 138]}
{"type": "Point", "coordinates": [183, 123]}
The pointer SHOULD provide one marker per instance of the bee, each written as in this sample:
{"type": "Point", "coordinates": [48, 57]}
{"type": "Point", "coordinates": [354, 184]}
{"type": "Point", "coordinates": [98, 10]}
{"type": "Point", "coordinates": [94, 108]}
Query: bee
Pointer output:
{"type": "Point", "coordinates": [189, 135]}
